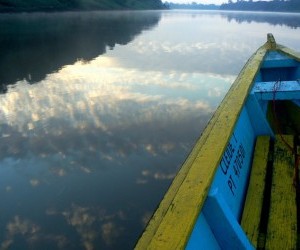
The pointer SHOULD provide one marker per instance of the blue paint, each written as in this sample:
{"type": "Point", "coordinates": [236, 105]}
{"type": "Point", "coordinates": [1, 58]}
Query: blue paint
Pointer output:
{"type": "Point", "coordinates": [277, 66]}
{"type": "Point", "coordinates": [282, 90]}
{"type": "Point", "coordinates": [202, 236]}
{"type": "Point", "coordinates": [231, 183]}
{"type": "Point", "coordinates": [226, 228]}
{"type": "Point", "coordinates": [275, 59]}
{"type": "Point", "coordinates": [297, 102]}
{"type": "Point", "coordinates": [257, 111]}
{"type": "Point", "coordinates": [217, 226]}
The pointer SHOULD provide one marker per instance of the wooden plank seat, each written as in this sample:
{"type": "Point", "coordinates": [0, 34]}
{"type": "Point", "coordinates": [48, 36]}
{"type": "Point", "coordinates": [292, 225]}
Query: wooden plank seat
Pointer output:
{"type": "Point", "coordinates": [270, 212]}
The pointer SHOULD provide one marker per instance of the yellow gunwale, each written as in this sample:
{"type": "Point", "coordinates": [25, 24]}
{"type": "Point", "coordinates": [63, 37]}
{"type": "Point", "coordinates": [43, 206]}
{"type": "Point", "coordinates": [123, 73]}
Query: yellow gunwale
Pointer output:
{"type": "Point", "coordinates": [173, 221]}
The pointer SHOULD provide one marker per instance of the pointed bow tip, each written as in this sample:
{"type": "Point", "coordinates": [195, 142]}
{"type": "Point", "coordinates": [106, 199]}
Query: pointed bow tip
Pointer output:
{"type": "Point", "coordinates": [271, 41]}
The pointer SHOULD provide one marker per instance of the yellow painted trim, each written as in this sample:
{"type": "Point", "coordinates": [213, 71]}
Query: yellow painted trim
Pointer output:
{"type": "Point", "coordinates": [173, 221]}
{"type": "Point", "coordinates": [282, 226]}
{"type": "Point", "coordinates": [289, 52]}
{"type": "Point", "coordinates": [255, 194]}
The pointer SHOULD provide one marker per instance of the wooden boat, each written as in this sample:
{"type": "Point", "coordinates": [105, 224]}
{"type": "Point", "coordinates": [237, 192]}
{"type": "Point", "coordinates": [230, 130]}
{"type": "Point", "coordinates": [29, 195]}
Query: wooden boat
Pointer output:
{"type": "Point", "coordinates": [238, 189]}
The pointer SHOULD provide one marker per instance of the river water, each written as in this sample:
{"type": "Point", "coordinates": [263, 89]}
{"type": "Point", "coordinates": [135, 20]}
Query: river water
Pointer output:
{"type": "Point", "coordinates": [99, 110]}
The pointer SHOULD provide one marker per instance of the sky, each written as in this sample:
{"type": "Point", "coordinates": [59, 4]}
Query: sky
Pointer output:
{"type": "Point", "coordinates": [217, 2]}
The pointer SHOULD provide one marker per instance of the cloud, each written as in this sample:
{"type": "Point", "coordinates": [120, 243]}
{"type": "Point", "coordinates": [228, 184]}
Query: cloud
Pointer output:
{"type": "Point", "coordinates": [215, 92]}
{"type": "Point", "coordinates": [90, 99]}
{"type": "Point", "coordinates": [85, 170]}
{"type": "Point", "coordinates": [86, 221]}
{"type": "Point", "coordinates": [105, 97]}
{"type": "Point", "coordinates": [163, 176]}
{"type": "Point", "coordinates": [21, 226]}
{"type": "Point", "coordinates": [150, 149]}
{"type": "Point", "coordinates": [109, 232]}
{"type": "Point", "coordinates": [96, 114]}
{"type": "Point", "coordinates": [58, 171]}
{"type": "Point", "coordinates": [147, 175]}
{"type": "Point", "coordinates": [82, 220]}
{"type": "Point", "coordinates": [75, 107]}
{"type": "Point", "coordinates": [18, 226]}
{"type": "Point", "coordinates": [51, 211]}
{"type": "Point", "coordinates": [141, 181]}
{"type": "Point", "coordinates": [185, 48]}
{"type": "Point", "coordinates": [34, 182]}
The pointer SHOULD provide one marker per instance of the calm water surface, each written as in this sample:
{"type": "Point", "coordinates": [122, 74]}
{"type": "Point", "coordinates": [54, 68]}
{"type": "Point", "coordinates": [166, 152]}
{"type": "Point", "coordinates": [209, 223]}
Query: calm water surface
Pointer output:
{"type": "Point", "coordinates": [99, 110]}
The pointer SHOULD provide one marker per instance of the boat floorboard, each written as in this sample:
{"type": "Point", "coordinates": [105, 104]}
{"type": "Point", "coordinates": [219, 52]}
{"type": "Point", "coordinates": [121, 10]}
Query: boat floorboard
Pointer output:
{"type": "Point", "coordinates": [270, 213]}
{"type": "Point", "coordinates": [254, 201]}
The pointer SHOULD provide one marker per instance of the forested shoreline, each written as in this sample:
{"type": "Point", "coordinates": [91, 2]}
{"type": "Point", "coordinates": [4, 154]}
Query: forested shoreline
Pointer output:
{"type": "Point", "coordinates": [64, 5]}
{"type": "Point", "coordinates": [243, 5]}
{"type": "Point", "coordinates": [194, 6]}
{"type": "Point", "coordinates": [275, 5]}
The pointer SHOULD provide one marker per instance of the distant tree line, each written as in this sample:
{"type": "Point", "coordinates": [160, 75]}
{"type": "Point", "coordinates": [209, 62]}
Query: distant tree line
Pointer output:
{"type": "Point", "coordinates": [275, 5]}
{"type": "Point", "coordinates": [60, 5]}
{"type": "Point", "coordinates": [193, 5]}
{"type": "Point", "coordinates": [292, 21]}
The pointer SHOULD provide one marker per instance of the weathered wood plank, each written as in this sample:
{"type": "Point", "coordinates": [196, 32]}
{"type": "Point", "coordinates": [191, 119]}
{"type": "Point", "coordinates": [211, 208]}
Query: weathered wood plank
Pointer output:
{"type": "Point", "coordinates": [282, 226]}
{"type": "Point", "coordinates": [255, 195]}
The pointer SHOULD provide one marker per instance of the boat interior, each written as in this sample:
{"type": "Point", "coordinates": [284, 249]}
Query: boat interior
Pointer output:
{"type": "Point", "coordinates": [271, 215]}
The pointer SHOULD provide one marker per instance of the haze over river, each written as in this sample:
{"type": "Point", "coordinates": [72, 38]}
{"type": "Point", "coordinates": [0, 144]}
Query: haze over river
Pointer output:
{"type": "Point", "coordinates": [99, 110]}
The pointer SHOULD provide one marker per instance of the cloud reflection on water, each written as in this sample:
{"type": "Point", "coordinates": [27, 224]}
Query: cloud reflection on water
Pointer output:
{"type": "Point", "coordinates": [22, 227]}
{"type": "Point", "coordinates": [102, 99]}
{"type": "Point", "coordinates": [82, 219]}
{"type": "Point", "coordinates": [88, 132]}
{"type": "Point", "coordinates": [91, 147]}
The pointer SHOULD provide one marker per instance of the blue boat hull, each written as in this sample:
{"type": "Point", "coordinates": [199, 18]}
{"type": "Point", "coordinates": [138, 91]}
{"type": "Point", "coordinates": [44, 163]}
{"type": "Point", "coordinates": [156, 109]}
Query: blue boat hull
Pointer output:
{"type": "Point", "coordinates": [220, 218]}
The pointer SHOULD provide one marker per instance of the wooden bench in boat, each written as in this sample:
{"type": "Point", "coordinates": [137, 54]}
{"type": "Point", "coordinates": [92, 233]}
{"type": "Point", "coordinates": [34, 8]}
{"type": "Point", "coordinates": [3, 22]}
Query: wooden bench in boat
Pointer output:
{"type": "Point", "coordinates": [270, 212]}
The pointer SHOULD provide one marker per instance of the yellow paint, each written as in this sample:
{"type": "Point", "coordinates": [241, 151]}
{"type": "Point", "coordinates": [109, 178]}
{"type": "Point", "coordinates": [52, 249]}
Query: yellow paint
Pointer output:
{"type": "Point", "coordinates": [173, 221]}
{"type": "Point", "coordinates": [282, 226]}
{"type": "Point", "coordinates": [291, 53]}
{"type": "Point", "coordinates": [254, 200]}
